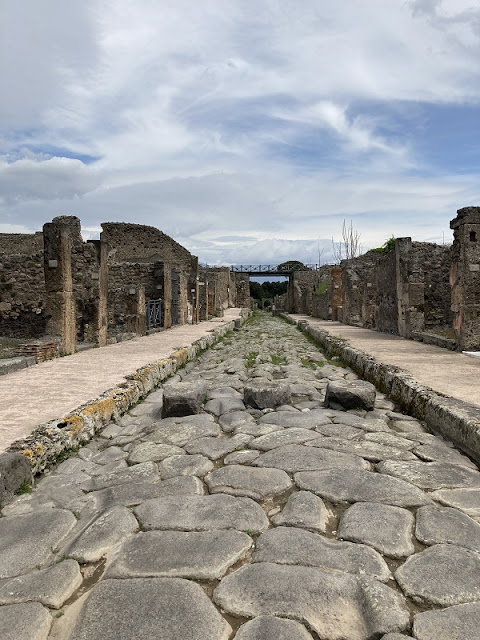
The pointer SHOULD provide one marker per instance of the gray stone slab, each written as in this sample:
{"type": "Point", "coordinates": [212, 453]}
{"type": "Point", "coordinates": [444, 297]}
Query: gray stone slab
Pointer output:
{"type": "Point", "coordinates": [216, 448]}
{"type": "Point", "coordinates": [442, 453]}
{"type": "Point", "coordinates": [467, 500]}
{"type": "Point", "coordinates": [387, 529]}
{"type": "Point", "coordinates": [146, 471]}
{"type": "Point", "coordinates": [153, 452]}
{"type": "Point", "coordinates": [431, 475]}
{"type": "Point", "coordinates": [263, 394]}
{"type": "Point", "coordinates": [304, 420]}
{"type": "Point", "coordinates": [26, 541]}
{"type": "Point", "coordinates": [241, 457]}
{"type": "Point", "coordinates": [297, 457]}
{"type": "Point", "coordinates": [183, 398]}
{"type": "Point", "coordinates": [353, 485]}
{"type": "Point", "coordinates": [372, 451]}
{"type": "Point", "coordinates": [460, 622]}
{"type": "Point", "coordinates": [181, 433]}
{"type": "Point", "coordinates": [224, 392]}
{"type": "Point", "coordinates": [147, 608]}
{"type": "Point", "coordinates": [252, 482]}
{"type": "Point", "coordinates": [339, 431]}
{"type": "Point", "coordinates": [350, 394]}
{"type": "Point", "coordinates": [50, 586]}
{"type": "Point", "coordinates": [288, 545]}
{"type": "Point", "coordinates": [442, 575]}
{"type": "Point", "coordinates": [408, 426]}
{"type": "Point", "coordinates": [107, 530]}
{"type": "Point", "coordinates": [443, 525]}
{"type": "Point", "coordinates": [225, 404]}
{"type": "Point", "coordinates": [109, 455]}
{"type": "Point", "coordinates": [229, 421]}
{"type": "Point", "coordinates": [272, 628]}
{"type": "Point", "coordinates": [201, 513]}
{"type": "Point", "coordinates": [199, 555]}
{"type": "Point", "coordinates": [182, 465]}
{"type": "Point", "coordinates": [258, 430]}
{"type": "Point", "coordinates": [390, 440]}
{"type": "Point", "coordinates": [133, 493]}
{"type": "Point", "coordinates": [293, 435]}
{"type": "Point", "coordinates": [29, 621]}
{"type": "Point", "coordinates": [337, 606]}
{"type": "Point", "coordinates": [305, 510]}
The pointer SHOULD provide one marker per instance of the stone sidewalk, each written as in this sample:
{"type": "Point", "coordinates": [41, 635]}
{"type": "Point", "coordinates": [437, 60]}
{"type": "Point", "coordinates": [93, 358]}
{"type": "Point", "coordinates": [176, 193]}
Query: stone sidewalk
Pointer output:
{"type": "Point", "coordinates": [52, 389]}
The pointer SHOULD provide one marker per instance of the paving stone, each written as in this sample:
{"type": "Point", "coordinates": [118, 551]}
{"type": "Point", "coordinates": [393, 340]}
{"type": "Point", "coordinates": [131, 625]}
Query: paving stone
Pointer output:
{"type": "Point", "coordinates": [372, 451]}
{"type": "Point", "coordinates": [294, 435]}
{"type": "Point", "coordinates": [297, 457]}
{"type": "Point", "coordinates": [264, 394]}
{"type": "Point", "coordinates": [257, 430]}
{"type": "Point", "coordinates": [395, 416]}
{"type": "Point", "coordinates": [288, 545]}
{"type": "Point", "coordinates": [460, 622]}
{"type": "Point", "coordinates": [395, 636]}
{"type": "Point", "coordinates": [272, 628]}
{"type": "Point", "coordinates": [241, 457]}
{"type": "Point", "coordinates": [441, 453]}
{"type": "Point", "coordinates": [29, 621]}
{"type": "Point", "coordinates": [216, 448]}
{"type": "Point", "coordinates": [438, 525]}
{"type": "Point", "coordinates": [182, 465]}
{"type": "Point", "coordinates": [180, 434]}
{"type": "Point", "coordinates": [111, 454]}
{"type": "Point", "coordinates": [350, 394]}
{"type": "Point", "coordinates": [224, 392]}
{"type": "Point", "coordinates": [352, 420]}
{"type": "Point", "coordinates": [229, 421]}
{"type": "Point", "coordinates": [50, 586]}
{"type": "Point", "coordinates": [225, 404]}
{"type": "Point", "coordinates": [183, 398]}
{"type": "Point", "coordinates": [431, 475]}
{"type": "Point", "coordinates": [304, 420]}
{"type": "Point", "coordinates": [305, 510]}
{"type": "Point", "coordinates": [390, 440]}
{"type": "Point", "coordinates": [252, 482]}
{"type": "Point", "coordinates": [133, 493]}
{"type": "Point", "coordinates": [339, 431]}
{"type": "Point", "coordinates": [136, 473]}
{"type": "Point", "coordinates": [353, 485]}
{"type": "Point", "coordinates": [146, 608]}
{"type": "Point", "coordinates": [387, 529]}
{"type": "Point", "coordinates": [467, 500]}
{"type": "Point", "coordinates": [410, 426]}
{"type": "Point", "coordinates": [152, 452]}
{"type": "Point", "coordinates": [337, 606]}
{"type": "Point", "coordinates": [26, 541]}
{"type": "Point", "coordinates": [201, 513]}
{"type": "Point", "coordinates": [107, 530]}
{"type": "Point", "coordinates": [442, 575]}
{"type": "Point", "coordinates": [199, 555]}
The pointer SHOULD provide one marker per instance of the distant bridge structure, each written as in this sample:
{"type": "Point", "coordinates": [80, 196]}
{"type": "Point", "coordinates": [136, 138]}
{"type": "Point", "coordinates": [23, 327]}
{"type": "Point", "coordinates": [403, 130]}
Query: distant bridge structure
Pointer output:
{"type": "Point", "coordinates": [270, 269]}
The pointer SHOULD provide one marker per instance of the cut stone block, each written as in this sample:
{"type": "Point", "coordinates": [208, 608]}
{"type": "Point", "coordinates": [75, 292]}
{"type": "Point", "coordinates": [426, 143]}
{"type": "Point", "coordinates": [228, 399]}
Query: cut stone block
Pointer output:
{"type": "Point", "coordinates": [183, 398]}
{"type": "Point", "coordinates": [152, 452]}
{"type": "Point", "coordinates": [460, 622]}
{"type": "Point", "coordinates": [305, 510]}
{"type": "Point", "coordinates": [252, 482]}
{"type": "Point", "coordinates": [133, 493]}
{"type": "Point", "coordinates": [444, 525]}
{"type": "Point", "coordinates": [431, 475]}
{"type": "Point", "coordinates": [29, 621]}
{"type": "Point", "coordinates": [350, 394]}
{"type": "Point", "coordinates": [276, 439]}
{"type": "Point", "coordinates": [264, 394]}
{"type": "Point", "coordinates": [467, 500]}
{"type": "Point", "coordinates": [295, 457]}
{"type": "Point", "coordinates": [216, 448]}
{"type": "Point", "coordinates": [182, 465]}
{"type": "Point", "coordinates": [223, 405]}
{"type": "Point", "coordinates": [372, 451]}
{"type": "Point", "coordinates": [145, 471]}
{"type": "Point", "coordinates": [304, 420]}
{"type": "Point", "coordinates": [181, 433]}
{"type": "Point", "coordinates": [272, 628]}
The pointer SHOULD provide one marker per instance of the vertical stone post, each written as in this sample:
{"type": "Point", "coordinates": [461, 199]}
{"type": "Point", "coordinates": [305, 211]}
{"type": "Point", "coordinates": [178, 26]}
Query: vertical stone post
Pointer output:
{"type": "Point", "coordinates": [465, 278]}
{"type": "Point", "coordinates": [410, 290]}
{"type": "Point", "coordinates": [98, 331]}
{"type": "Point", "coordinates": [60, 303]}
{"type": "Point", "coordinates": [136, 311]}
{"type": "Point", "coordinates": [162, 273]}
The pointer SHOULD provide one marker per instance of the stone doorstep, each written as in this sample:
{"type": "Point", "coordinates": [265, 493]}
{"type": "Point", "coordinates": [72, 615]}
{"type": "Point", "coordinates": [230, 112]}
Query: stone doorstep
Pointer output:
{"type": "Point", "coordinates": [49, 440]}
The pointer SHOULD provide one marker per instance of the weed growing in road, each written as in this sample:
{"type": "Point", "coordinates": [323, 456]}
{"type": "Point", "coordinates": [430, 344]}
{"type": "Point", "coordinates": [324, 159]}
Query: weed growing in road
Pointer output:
{"type": "Point", "coordinates": [25, 487]}
{"type": "Point", "coordinates": [277, 358]}
{"type": "Point", "coordinates": [251, 357]}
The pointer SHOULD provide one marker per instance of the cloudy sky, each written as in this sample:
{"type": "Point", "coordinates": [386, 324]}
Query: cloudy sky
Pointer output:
{"type": "Point", "coordinates": [246, 129]}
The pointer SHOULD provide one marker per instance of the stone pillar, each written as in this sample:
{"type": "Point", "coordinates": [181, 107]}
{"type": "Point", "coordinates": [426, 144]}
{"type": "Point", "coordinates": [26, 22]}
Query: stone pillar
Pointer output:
{"type": "Point", "coordinates": [136, 322]}
{"type": "Point", "coordinates": [98, 330]}
{"type": "Point", "coordinates": [58, 237]}
{"type": "Point", "coordinates": [337, 291]}
{"type": "Point", "coordinates": [465, 278]}
{"type": "Point", "coordinates": [163, 284]}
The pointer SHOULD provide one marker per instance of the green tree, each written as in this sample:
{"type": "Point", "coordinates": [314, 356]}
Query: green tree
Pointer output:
{"type": "Point", "coordinates": [291, 265]}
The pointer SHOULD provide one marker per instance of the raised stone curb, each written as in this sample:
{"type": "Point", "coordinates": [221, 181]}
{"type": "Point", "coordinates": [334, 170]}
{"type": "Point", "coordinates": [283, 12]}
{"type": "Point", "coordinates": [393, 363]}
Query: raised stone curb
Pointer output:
{"type": "Point", "coordinates": [48, 440]}
{"type": "Point", "coordinates": [456, 420]}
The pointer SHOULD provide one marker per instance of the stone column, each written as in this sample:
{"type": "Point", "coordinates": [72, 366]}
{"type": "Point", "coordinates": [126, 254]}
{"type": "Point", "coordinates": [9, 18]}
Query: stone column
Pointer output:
{"type": "Point", "coordinates": [465, 278]}
{"type": "Point", "coordinates": [136, 322]}
{"type": "Point", "coordinates": [97, 332]}
{"type": "Point", "coordinates": [58, 238]}
{"type": "Point", "coordinates": [163, 284]}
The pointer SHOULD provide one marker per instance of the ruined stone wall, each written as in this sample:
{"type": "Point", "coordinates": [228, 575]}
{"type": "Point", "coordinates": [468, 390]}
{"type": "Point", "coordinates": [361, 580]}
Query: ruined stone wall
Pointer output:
{"type": "Point", "coordinates": [124, 283]}
{"type": "Point", "coordinates": [387, 301]}
{"type": "Point", "coordinates": [242, 290]}
{"type": "Point", "coordinates": [301, 287]}
{"type": "Point", "coordinates": [359, 289]}
{"type": "Point", "coordinates": [433, 262]}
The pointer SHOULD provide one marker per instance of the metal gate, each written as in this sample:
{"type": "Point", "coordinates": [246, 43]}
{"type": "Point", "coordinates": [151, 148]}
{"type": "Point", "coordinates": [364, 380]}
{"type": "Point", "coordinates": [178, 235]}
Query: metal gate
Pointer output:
{"type": "Point", "coordinates": [175, 296]}
{"type": "Point", "coordinates": [154, 314]}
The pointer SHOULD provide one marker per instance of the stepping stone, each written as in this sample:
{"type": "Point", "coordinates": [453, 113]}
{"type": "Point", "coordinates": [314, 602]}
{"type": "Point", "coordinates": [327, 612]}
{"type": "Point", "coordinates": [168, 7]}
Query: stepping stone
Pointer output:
{"type": "Point", "coordinates": [467, 500]}
{"type": "Point", "coordinates": [296, 457]}
{"type": "Point", "coordinates": [146, 608]}
{"type": "Point", "coordinates": [182, 465]}
{"type": "Point", "coordinates": [350, 394]}
{"type": "Point", "coordinates": [264, 394]}
{"type": "Point", "coordinates": [106, 531]}
{"type": "Point", "coordinates": [225, 404]}
{"type": "Point", "coordinates": [26, 541]}
{"type": "Point", "coordinates": [337, 606]}
{"type": "Point", "coordinates": [216, 448]}
{"type": "Point", "coordinates": [460, 622]}
{"type": "Point", "coordinates": [444, 525]}
{"type": "Point", "coordinates": [252, 482]}
{"type": "Point", "coordinates": [287, 545]}
{"type": "Point", "coordinates": [441, 453]}
{"type": "Point", "coordinates": [372, 451]}
{"type": "Point", "coordinates": [133, 493]}
{"type": "Point", "coordinates": [201, 513]}
{"type": "Point", "coordinates": [180, 434]}
{"type": "Point", "coordinates": [294, 435]}
{"type": "Point", "coordinates": [29, 621]}
{"type": "Point", "coordinates": [442, 575]}
{"type": "Point", "coordinates": [353, 485]}
{"type": "Point", "coordinates": [271, 628]}
{"type": "Point", "coordinates": [137, 473]}
{"type": "Point", "coordinates": [431, 475]}
{"type": "Point", "coordinates": [304, 420]}
{"type": "Point", "coordinates": [152, 452]}
{"type": "Point", "coordinates": [241, 457]}
{"type": "Point", "coordinates": [183, 398]}
{"type": "Point", "coordinates": [204, 555]}
{"type": "Point", "coordinates": [229, 421]}
{"type": "Point", "coordinates": [387, 529]}
{"type": "Point", "coordinates": [305, 510]}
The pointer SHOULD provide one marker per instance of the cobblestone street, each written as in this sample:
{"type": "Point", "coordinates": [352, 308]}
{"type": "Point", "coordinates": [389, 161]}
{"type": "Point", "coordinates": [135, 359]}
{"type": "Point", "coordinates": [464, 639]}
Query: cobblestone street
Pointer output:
{"type": "Point", "coordinates": [270, 512]}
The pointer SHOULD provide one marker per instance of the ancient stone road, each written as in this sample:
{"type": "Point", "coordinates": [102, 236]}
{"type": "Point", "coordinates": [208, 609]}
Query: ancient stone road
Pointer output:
{"type": "Point", "coordinates": [247, 523]}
